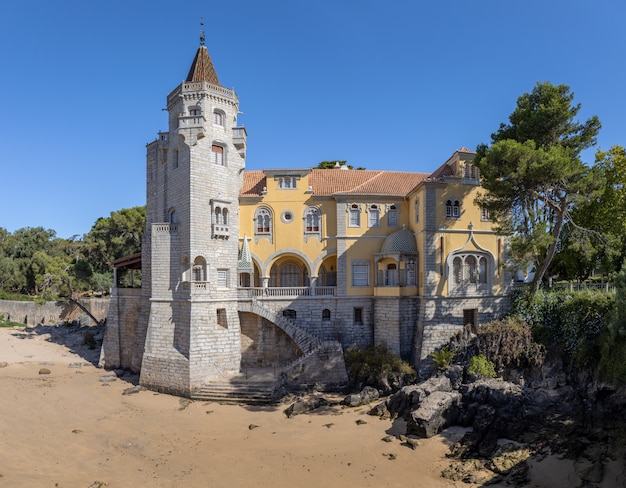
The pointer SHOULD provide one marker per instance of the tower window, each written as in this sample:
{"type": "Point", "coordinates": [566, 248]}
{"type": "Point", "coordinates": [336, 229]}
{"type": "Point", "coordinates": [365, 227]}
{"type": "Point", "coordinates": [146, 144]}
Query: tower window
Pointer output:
{"type": "Point", "coordinates": [218, 118]}
{"type": "Point", "coordinates": [222, 318]}
{"type": "Point", "coordinates": [326, 314]}
{"type": "Point", "coordinates": [222, 278]}
{"type": "Point", "coordinates": [217, 155]}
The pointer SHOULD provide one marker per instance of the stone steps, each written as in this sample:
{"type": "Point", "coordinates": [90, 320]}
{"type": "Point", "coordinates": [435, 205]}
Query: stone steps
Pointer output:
{"type": "Point", "coordinates": [236, 391]}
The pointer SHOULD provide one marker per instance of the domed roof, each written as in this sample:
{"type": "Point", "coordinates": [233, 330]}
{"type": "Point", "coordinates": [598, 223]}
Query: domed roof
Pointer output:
{"type": "Point", "coordinates": [400, 241]}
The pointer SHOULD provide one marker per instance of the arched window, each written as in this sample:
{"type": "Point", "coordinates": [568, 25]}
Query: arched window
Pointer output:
{"type": "Point", "coordinates": [225, 216]}
{"type": "Point", "coordinates": [290, 275]}
{"type": "Point", "coordinates": [391, 275]}
{"type": "Point", "coordinates": [453, 209]}
{"type": "Point", "coordinates": [325, 314]}
{"type": "Point", "coordinates": [198, 272]}
{"type": "Point", "coordinates": [312, 220]}
{"type": "Point", "coordinates": [482, 270]}
{"type": "Point", "coordinates": [470, 269]}
{"type": "Point", "coordinates": [263, 219]}
{"type": "Point", "coordinates": [218, 215]}
{"type": "Point", "coordinates": [173, 217]}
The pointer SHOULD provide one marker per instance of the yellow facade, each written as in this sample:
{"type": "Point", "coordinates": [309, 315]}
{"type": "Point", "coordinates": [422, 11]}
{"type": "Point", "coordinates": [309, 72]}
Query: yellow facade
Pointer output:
{"type": "Point", "coordinates": [438, 208]}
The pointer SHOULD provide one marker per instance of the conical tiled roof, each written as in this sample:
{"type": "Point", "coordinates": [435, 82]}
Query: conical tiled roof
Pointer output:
{"type": "Point", "coordinates": [245, 258]}
{"type": "Point", "coordinates": [202, 67]}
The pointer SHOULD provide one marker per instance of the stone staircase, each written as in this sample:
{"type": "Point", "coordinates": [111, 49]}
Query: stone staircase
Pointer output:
{"type": "Point", "coordinates": [238, 389]}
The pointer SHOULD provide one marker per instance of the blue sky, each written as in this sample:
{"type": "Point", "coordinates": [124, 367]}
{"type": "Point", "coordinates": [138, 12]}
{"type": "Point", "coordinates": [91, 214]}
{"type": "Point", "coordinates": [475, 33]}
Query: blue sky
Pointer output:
{"type": "Point", "coordinates": [395, 85]}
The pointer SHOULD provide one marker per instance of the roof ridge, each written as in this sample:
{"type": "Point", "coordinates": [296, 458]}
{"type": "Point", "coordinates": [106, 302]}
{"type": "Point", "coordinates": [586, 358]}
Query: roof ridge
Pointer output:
{"type": "Point", "coordinates": [369, 180]}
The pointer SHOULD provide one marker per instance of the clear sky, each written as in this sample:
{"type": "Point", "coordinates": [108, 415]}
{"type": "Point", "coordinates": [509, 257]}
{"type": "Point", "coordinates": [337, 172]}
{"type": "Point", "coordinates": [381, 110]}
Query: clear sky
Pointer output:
{"type": "Point", "coordinates": [396, 85]}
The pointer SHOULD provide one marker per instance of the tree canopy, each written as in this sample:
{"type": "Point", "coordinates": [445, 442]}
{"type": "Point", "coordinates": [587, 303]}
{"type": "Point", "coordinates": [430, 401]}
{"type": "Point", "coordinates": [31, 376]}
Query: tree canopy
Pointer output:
{"type": "Point", "coordinates": [532, 172]}
{"type": "Point", "coordinates": [333, 164]}
{"type": "Point", "coordinates": [34, 261]}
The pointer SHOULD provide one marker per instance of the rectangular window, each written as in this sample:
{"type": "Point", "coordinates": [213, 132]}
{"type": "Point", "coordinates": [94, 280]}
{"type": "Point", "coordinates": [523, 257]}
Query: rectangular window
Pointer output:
{"type": "Point", "coordinates": [484, 214]}
{"type": "Point", "coordinates": [217, 155]}
{"type": "Point", "coordinates": [222, 278]}
{"type": "Point", "coordinates": [411, 272]}
{"type": "Point", "coordinates": [470, 317]}
{"type": "Point", "coordinates": [175, 159]}
{"type": "Point", "coordinates": [360, 274]}
{"type": "Point", "coordinates": [354, 217]}
{"type": "Point", "coordinates": [392, 218]}
{"type": "Point", "coordinates": [358, 315]}
{"type": "Point", "coordinates": [417, 210]}
{"type": "Point", "coordinates": [373, 217]}
{"type": "Point", "coordinates": [218, 118]}
{"type": "Point", "coordinates": [222, 319]}
{"type": "Point", "coordinates": [287, 182]}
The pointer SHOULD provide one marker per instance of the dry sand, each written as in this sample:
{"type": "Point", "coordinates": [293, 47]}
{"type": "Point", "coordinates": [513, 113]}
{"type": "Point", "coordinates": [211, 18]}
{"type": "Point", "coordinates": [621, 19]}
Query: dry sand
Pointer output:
{"type": "Point", "coordinates": [72, 429]}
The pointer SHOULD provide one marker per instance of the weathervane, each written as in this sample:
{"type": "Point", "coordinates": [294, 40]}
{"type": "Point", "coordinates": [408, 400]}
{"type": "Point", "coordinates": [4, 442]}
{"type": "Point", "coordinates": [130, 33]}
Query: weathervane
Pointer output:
{"type": "Point", "coordinates": [201, 32]}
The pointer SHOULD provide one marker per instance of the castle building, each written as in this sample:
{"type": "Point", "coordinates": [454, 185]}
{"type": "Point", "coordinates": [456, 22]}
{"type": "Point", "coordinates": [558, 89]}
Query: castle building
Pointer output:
{"type": "Point", "coordinates": [286, 268]}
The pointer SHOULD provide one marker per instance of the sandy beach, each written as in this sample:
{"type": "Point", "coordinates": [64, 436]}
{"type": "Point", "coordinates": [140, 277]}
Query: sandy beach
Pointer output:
{"type": "Point", "coordinates": [74, 427]}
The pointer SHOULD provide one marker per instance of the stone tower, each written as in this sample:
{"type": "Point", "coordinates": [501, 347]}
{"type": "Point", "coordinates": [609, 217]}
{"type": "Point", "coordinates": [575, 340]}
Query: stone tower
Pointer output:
{"type": "Point", "coordinates": [191, 245]}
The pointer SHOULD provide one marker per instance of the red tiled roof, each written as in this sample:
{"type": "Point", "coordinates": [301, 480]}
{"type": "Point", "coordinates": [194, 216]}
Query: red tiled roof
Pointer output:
{"type": "Point", "coordinates": [253, 183]}
{"type": "Point", "coordinates": [202, 67]}
{"type": "Point", "coordinates": [327, 182]}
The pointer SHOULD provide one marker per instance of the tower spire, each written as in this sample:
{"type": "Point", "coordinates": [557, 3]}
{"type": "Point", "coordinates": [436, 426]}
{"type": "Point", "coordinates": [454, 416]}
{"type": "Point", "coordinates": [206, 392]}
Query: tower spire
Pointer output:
{"type": "Point", "coordinates": [202, 68]}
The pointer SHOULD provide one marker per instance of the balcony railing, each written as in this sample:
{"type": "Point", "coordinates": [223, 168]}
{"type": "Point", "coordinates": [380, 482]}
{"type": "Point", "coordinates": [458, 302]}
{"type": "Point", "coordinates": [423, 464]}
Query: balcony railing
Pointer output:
{"type": "Point", "coordinates": [286, 292]}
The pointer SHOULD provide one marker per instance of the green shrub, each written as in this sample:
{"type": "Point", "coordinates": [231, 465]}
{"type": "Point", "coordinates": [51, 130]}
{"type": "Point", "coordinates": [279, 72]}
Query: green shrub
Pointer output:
{"type": "Point", "coordinates": [374, 365]}
{"type": "Point", "coordinates": [480, 367]}
{"type": "Point", "coordinates": [442, 357]}
{"type": "Point", "coordinates": [612, 363]}
{"type": "Point", "coordinates": [569, 323]}
{"type": "Point", "coordinates": [509, 343]}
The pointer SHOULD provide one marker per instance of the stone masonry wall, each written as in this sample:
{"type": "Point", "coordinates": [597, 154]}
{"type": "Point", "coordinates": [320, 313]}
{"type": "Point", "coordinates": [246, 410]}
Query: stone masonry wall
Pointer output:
{"type": "Point", "coordinates": [31, 313]}
{"type": "Point", "coordinates": [441, 318]}
{"type": "Point", "coordinates": [341, 326]}
{"type": "Point", "coordinates": [263, 344]}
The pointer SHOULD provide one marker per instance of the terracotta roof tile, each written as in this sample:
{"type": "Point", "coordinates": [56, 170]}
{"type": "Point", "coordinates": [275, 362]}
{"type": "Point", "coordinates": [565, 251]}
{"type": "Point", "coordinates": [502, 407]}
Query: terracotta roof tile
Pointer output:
{"type": "Point", "coordinates": [253, 183]}
{"type": "Point", "coordinates": [202, 67]}
{"type": "Point", "coordinates": [326, 182]}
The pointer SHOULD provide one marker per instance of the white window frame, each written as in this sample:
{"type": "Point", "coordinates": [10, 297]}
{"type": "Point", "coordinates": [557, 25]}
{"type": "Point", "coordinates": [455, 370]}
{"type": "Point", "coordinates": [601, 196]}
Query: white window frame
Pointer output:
{"type": "Point", "coordinates": [354, 215]}
{"type": "Point", "coordinates": [218, 118]}
{"type": "Point", "coordinates": [373, 215]}
{"type": "Point", "coordinates": [222, 278]}
{"type": "Point", "coordinates": [287, 182]}
{"type": "Point", "coordinates": [392, 215]}
{"type": "Point", "coordinates": [360, 273]}
{"type": "Point", "coordinates": [218, 157]}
